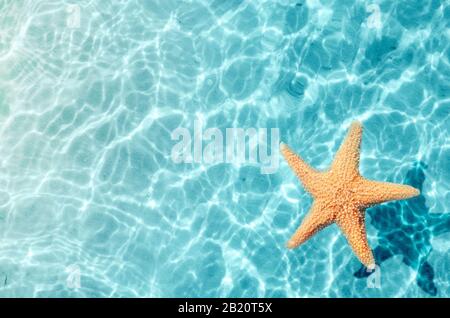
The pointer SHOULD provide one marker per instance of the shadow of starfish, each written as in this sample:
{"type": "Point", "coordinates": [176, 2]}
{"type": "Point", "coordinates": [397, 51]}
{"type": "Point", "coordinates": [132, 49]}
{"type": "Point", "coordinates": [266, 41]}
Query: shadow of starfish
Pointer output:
{"type": "Point", "coordinates": [406, 228]}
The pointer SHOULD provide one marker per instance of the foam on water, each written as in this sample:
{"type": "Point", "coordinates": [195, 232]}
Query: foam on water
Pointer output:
{"type": "Point", "coordinates": [86, 113]}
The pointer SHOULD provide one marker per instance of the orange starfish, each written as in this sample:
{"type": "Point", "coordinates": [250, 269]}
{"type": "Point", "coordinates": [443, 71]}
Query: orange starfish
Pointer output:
{"type": "Point", "coordinates": [341, 195]}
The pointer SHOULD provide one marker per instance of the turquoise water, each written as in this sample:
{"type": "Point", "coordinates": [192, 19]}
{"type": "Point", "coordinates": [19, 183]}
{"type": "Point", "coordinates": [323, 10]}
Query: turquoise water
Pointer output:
{"type": "Point", "coordinates": [89, 96]}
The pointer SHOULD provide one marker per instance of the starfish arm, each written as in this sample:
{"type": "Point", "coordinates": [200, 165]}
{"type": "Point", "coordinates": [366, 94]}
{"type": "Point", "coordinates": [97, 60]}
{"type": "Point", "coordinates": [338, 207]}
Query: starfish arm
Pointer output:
{"type": "Point", "coordinates": [307, 175]}
{"type": "Point", "coordinates": [352, 224]}
{"type": "Point", "coordinates": [316, 219]}
{"type": "Point", "coordinates": [370, 192]}
{"type": "Point", "coordinates": [347, 157]}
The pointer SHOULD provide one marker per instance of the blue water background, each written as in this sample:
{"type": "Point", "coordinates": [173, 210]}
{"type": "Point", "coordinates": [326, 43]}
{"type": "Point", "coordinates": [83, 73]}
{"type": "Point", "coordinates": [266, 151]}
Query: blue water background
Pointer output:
{"type": "Point", "coordinates": [86, 113]}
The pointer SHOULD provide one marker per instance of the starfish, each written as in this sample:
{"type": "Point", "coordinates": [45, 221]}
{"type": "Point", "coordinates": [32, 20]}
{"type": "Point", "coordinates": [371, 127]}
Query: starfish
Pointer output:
{"type": "Point", "coordinates": [341, 195]}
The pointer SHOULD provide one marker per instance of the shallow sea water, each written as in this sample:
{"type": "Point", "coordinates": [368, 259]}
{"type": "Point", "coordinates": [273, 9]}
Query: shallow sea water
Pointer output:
{"type": "Point", "coordinates": [88, 187]}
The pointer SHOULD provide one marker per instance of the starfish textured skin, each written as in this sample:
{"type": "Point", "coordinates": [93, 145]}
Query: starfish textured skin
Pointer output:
{"type": "Point", "coordinates": [341, 195]}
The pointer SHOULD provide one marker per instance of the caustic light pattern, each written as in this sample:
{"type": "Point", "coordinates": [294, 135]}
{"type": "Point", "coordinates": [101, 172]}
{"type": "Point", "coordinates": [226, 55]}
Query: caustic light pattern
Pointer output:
{"type": "Point", "coordinates": [91, 203]}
